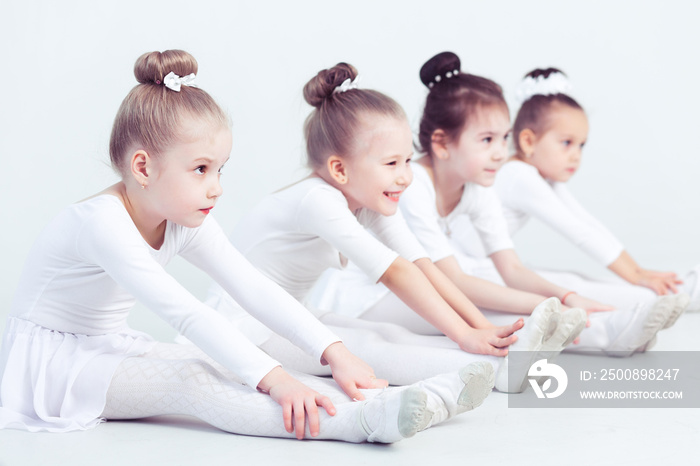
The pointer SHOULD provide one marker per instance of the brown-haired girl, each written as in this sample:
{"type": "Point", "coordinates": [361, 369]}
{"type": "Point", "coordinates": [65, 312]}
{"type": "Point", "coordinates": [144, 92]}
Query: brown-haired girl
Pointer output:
{"type": "Point", "coordinates": [68, 359]}
{"type": "Point", "coordinates": [550, 131]}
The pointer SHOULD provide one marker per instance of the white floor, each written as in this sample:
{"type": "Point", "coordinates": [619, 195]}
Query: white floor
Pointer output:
{"type": "Point", "coordinates": [493, 434]}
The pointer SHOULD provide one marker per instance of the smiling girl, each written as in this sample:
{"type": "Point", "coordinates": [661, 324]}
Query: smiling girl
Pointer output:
{"type": "Point", "coordinates": [68, 359]}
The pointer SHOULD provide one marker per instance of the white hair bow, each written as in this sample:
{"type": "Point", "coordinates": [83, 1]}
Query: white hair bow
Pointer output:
{"type": "Point", "coordinates": [173, 81]}
{"type": "Point", "coordinates": [555, 83]}
{"type": "Point", "coordinates": [347, 85]}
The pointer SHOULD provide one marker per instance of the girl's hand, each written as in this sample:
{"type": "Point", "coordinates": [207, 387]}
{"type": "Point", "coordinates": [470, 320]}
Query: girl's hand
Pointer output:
{"type": "Point", "coordinates": [491, 341]}
{"type": "Point", "coordinates": [297, 400]}
{"type": "Point", "coordinates": [659, 282]}
{"type": "Point", "coordinates": [350, 372]}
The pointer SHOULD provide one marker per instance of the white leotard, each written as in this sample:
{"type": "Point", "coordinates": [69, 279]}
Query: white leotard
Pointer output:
{"type": "Point", "coordinates": [525, 194]}
{"type": "Point", "coordinates": [83, 276]}
{"type": "Point", "coordinates": [294, 235]}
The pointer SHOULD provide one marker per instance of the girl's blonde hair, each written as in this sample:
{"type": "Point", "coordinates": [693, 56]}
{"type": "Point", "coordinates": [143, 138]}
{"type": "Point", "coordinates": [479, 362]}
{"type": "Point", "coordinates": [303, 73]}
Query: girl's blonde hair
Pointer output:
{"type": "Point", "coordinates": [332, 126]}
{"type": "Point", "coordinates": [150, 117]}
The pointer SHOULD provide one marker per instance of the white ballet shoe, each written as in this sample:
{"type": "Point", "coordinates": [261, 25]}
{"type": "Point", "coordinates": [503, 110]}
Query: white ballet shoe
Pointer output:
{"type": "Point", "coordinates": [571, 323]}
{"type": "Point", "coordinates": [405, 413]}
{"type": "Point", "coordinates": [691, 286]}
{"type": "Point", "coordinates": [640, 330]}
{"type": "Point", "coordinates": [681, 303]}
{"type": "Point", "coordinates": [458, 392]}
{"type": "Point", "coordinates": [538, 329]}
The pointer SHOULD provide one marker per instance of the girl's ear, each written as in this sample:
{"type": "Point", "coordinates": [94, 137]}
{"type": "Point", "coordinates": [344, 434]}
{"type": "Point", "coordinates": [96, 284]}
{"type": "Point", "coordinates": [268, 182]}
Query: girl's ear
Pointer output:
{"type": "Point", "coordinates": [140, 164]}
{"type": "Point", "coordinates": [337, 169]}
{"type": "Point", "coordinates": [438, 144]}
{"type": "Point", "coordinates": [526, 140]}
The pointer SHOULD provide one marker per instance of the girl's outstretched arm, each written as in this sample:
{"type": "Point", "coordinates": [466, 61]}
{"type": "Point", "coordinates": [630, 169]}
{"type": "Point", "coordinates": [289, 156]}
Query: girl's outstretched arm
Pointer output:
{"type": "Point", "coordinates": [486, 294]}
{"type": "Point", "coordinates": [298, 401]}
{"type": "Point", "coordinates": [516, 275]}
{"type": "Point", "coordinates": [414, 287]}
{"type": "Point", "coordinates": [659, 282]}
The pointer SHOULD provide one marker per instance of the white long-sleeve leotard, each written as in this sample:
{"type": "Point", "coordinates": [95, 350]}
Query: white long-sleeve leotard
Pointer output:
{"type": "Point", "coordinates": [525, 194]}
{"type": "Point", "coordinates": [297, 233]}
{"type": "Point", "coordinates": [477, 218]}
{"type": "Point", "coordinates": [90, 265]}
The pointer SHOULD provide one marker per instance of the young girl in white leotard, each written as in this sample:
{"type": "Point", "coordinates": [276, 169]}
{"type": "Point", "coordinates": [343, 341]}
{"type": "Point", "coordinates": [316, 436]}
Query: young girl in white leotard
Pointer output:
{"type": "Point", "coordinates": [68, 359]}
{"type": "Point", "coordinates": [549, 133]}
{"type": "Point", "coordinates": [359, 147]}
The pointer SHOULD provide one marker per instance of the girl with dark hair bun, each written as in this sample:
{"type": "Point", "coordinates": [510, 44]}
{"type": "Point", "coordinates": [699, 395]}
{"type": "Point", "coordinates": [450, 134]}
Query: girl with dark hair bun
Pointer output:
{"type": "Point", "coordinates": [550, 131]}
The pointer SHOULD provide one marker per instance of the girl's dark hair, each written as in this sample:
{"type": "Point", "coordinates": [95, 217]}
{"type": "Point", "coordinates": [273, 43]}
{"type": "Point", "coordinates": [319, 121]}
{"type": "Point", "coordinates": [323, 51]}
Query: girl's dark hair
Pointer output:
{"type": "Point", "coordinates": [534, 112]}
{"type": "Point", "coordinates": [453, 99]}
{"type": "Point", "coordinates": [332, 126]}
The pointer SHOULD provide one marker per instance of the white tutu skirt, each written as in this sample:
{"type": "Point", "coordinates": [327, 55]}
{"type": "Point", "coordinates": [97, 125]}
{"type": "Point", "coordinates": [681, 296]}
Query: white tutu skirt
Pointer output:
{"type": "Point", "coordinates": [57, 382]}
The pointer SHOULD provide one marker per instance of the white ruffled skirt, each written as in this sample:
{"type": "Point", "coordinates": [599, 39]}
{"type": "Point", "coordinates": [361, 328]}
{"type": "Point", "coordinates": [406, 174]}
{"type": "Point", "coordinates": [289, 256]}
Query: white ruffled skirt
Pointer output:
{"type": "Point", "coordinates": [57, 382]}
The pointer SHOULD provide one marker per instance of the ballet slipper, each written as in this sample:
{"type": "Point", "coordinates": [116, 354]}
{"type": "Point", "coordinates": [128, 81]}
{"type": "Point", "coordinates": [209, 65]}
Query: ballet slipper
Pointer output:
{"type": "Point", "coordinates": [571, 323]}
{"type": "Point", "coordinates": [538, 329]}
{"type": "Point", "coordinates": [405, 413]}
{"type": "Point", "coordinates": [458, 392]}
{"type": "Point", "coordinates": [691, 287]}
{"type": "Point", "coordinates": [681, 303]}
{"type": "Point", "coordinates": [641, 328]}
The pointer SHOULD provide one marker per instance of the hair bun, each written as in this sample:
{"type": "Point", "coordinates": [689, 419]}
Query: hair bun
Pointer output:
{"type": "Point", "coordinates": [443, 65]}
{"type": "Point", "coordinates": [321, 86]}
{"type": "Point", "coordinates": [545, 72]}
{"type": "Point", "coordinates": [152, 67]}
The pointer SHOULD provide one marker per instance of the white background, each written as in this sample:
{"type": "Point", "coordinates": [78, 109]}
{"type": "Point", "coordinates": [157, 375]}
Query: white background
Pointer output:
{"type": "Point", "coordinates": [67, 65]}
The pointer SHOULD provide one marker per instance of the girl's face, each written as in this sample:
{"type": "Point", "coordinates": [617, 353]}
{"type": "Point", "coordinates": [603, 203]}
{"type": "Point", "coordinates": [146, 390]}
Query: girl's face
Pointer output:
{"type": "Point", "coordinates": [557, 153]}
{"type": "Point", "coordinates": [481, 148]}
{"type": "Point", "coordinates": [379, 169]}
{"type": "Point", "coordinates": [183, 183]}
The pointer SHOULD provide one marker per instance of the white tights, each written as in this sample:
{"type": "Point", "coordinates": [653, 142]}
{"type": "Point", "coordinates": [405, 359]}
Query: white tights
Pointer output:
{"type": "Point", "coordinates": [181, 379]}
{"type": "Point", "coordinates": [396, 354]}
{"type": "Point", "coordinates": [604, 328]}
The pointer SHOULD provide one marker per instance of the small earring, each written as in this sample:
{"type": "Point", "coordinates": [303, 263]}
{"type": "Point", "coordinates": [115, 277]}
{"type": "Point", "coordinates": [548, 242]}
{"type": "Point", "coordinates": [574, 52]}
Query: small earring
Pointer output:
{"type": "Point", "coordinates": [143, 186]}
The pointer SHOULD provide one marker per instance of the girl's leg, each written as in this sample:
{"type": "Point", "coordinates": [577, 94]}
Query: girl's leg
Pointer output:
{"type": "Point", "coordinates": [149, 386]}
{"type": "Point", "coordinates": [403, 353]}
{"type": "Point", "coordinates": [614, 291]}
{"type": "Point", "coordinates": [400, 363]}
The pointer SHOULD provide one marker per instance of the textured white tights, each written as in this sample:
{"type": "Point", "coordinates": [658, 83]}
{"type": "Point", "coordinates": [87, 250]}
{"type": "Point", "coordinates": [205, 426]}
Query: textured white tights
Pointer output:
{"type": "Point", "coordinates": [181, 379]}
